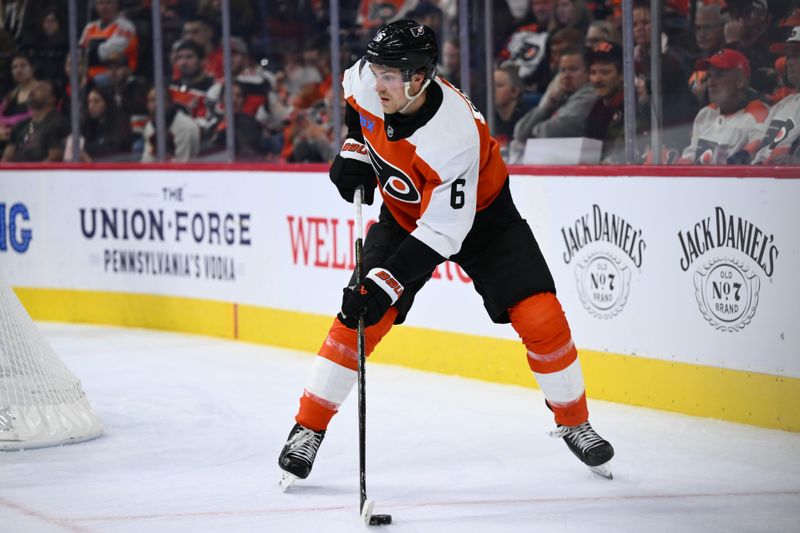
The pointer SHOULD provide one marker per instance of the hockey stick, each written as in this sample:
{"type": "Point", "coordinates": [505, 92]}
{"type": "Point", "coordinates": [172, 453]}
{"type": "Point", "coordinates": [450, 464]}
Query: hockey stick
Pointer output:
{"type": "Point", "coordinates": [366, 504]}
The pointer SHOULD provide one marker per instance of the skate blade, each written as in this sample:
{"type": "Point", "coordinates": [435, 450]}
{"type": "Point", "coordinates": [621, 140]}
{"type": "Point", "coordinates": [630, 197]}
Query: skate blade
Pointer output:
{"type": "Point", "coordinates": [366, 511]}
{"type": "Point", "coordinates": [603, 470]}
{"type": "Point", "coordinates": [287, 480]}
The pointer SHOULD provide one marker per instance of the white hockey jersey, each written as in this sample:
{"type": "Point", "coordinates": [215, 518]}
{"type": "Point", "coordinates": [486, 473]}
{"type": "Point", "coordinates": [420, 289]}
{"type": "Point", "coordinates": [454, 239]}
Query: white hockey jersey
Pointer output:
{"type": "Point", "coordinates": [434, 180]}
{"type": "Point", "coordinates": [716, 137]}
{"type": "Point", "coordinates": [781, 130]}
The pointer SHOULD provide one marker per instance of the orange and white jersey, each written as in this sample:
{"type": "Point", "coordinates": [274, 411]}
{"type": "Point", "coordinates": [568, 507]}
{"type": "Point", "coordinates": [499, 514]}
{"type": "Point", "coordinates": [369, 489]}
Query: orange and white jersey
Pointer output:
{"type": "Point", "coordinates": [716, 136]}
{"type": "Point", "coordinates": [113, 40]}
{"type": "Point", "coordinates": [781, 130]}
{"type": "Point", "coordinates": [435, 179]}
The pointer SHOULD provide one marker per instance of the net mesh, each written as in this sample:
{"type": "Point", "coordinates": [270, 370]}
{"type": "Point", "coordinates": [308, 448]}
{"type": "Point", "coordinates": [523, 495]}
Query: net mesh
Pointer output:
{"type": "Point", "coordinates": [41, 401]}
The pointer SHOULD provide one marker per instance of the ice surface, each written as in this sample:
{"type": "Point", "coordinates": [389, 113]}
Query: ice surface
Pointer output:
{"type": "Point", "coordinates": [194, 425]}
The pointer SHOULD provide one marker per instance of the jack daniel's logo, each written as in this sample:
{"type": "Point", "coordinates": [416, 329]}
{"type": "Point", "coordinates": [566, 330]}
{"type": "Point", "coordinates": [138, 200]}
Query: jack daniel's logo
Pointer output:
{"type": "Point", "coordinates": [726, 289]}
{"type": "Point", "coordinates": [601, 241]}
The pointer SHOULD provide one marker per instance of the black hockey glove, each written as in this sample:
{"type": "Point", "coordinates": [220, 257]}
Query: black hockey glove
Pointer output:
{"type": "Point", "coordinates": [372, 298]}
{"type": "Point", "coordinates": [351, 169]}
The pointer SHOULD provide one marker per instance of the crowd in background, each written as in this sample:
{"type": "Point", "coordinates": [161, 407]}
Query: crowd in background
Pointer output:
{"type": "Point", "coordinates": [730, 74]}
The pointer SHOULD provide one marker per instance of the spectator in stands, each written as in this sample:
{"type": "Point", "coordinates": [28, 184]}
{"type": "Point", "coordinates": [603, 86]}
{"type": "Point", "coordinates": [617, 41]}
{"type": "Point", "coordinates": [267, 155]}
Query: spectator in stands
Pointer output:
{"type": "Point", "coordinates": [724, 129]}
{"type": "Point", "coordinates": [709, 32]}
{"type": "Point", "coordinates": [602, 31]}
{"type": "Point", "coordinates": [606, 121]}
{"type": "Point", "coordinates": [140, 13]}
{"type": "Point", "coordinates": [561, 40]}
{"type": "Point", "coordinates": [105, 131]}
{"type": "Point", "coordinates": [780, 143]}
{"type": "Point", "coordinates": [7, 49]}
{"type": "Point", "coordinates": [200, 32]}
{"type": "Point", "coordinates": [190, 89]}
{"type": "Point", "coordinates": [111, 35]}
{"type": "Point", "coordinates": [709, 27]}
{"type": "Point", "coordinates": [253, 79]}
{"type": "Point", "coordinates": [374, 13]}
{"type": "Point", "coordinates": [85, 84]}
{"type": "Point", "coordinates": [564, 111]}
{"type": "Point", "coordinates": [40, 137]}
{"type": "Point", "coordinates": [570, 14]}
{"type": "Point", "coordinates": [309, 141]}
{"type": "Point", "coordinates": [14, 106]}
{"type": "Point", "coordinates": [527, 49]}
{"type": "Point", "coordinates": [508, 106]}
{"type": "Point", "coordinates": [450, 61]}
{"type": "Point", "coordinates": [750, 30]}
{"type": "Point", "coordinates": [242, 16]}
{"type": "Point", "coordinates": [542, 13]}
{"type": "Point", "coordinates": [130, 95]}
{"type": "Point", "coordinates": [51, 48]}
{"type": "Point", "coordinates": [678, 104]}
{"type": "Point", "coordinates": [247, 133]}
{"type": "Point", "coordinates": [183, 134]}
{"type": "Point", "coordinates": [429, 14]}
{"type": "Point", "coordinates": [317, 57]}
{"type": "Point", "coordinates": [20, 19]}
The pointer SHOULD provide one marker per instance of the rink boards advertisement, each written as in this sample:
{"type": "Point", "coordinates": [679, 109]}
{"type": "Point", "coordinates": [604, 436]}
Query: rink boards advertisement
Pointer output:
{"type": "Point", "coordinates": [690, 270]}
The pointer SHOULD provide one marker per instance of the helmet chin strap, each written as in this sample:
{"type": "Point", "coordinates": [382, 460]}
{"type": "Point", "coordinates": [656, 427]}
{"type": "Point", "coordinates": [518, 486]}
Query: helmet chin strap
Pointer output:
{"type": "Point", "coordinates": [411, 99]}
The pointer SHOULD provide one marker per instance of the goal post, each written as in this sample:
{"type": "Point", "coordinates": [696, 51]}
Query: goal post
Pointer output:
{"type": "Point", "coordinates": [42, 402]}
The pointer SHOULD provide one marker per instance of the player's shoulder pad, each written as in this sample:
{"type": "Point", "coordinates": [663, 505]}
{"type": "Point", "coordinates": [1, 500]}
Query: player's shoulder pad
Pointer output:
{"type": "Point", "coordinates": [758, 109]}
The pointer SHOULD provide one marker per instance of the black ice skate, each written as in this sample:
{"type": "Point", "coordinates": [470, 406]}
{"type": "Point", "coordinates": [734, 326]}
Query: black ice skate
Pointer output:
{"type": "Point", "coordinates": [592, 449]}
{"type": "Point", "coordinates": [297, 456]}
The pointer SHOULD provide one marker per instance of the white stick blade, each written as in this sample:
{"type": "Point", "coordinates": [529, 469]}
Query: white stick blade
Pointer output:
{"type": "Point", "coordinates": [366, 511]}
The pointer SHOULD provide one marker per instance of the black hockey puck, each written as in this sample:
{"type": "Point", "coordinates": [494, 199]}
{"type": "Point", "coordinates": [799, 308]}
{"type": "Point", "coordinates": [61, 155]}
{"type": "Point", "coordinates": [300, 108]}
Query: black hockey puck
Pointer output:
{"type": "Point", "coordinates": [380, 519]}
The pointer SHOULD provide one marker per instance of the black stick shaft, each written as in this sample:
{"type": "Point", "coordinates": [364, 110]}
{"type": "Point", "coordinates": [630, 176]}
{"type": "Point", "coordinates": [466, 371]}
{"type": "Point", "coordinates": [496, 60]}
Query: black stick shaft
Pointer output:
{"type": "Point", "coordinates": [362, 378]}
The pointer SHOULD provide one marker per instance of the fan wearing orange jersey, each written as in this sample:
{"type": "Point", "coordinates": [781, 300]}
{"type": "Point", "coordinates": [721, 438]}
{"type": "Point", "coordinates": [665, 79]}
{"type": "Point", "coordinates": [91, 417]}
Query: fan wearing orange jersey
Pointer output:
{"type": "Point", "coordinates": [446, 196]}
{"type": "Point", "coordinates": [109, 37]}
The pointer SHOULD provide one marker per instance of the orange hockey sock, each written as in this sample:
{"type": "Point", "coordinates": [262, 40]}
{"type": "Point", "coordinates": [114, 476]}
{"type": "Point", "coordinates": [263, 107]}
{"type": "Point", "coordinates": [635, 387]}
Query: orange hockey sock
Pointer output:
{"type": "Point", "coordinates": [335, 370]}
{"type": "Point", "coordinates": [540, 322]}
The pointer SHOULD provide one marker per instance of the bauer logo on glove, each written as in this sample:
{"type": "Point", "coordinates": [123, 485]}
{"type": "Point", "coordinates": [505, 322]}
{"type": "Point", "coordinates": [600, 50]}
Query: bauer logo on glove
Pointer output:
{"type": "Point", "coordinates": [352, 169]}
{"type": "Point", "coordinates": [371, 299]}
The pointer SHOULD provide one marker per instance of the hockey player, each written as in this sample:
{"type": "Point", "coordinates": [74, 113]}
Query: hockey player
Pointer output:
{"type": "Point", "coordinates": [445, 196]}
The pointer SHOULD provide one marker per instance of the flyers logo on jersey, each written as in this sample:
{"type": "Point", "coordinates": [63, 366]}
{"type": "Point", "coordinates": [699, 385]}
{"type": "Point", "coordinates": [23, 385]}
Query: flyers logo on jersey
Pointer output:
{"type": "Point", "coordinates": [779, 130]}
{"type": "Point", "coordinates": [394, 181]}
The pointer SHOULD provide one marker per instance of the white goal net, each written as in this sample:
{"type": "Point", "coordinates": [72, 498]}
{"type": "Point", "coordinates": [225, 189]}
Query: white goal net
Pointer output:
{"type": "Point", "coordinates": [41, 401]}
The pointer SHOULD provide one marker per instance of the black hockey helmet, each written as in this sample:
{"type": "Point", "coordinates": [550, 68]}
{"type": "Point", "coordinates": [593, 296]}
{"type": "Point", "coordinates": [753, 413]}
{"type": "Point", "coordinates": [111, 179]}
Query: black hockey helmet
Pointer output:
{"type": "Point", "coordinates": [406, 45]}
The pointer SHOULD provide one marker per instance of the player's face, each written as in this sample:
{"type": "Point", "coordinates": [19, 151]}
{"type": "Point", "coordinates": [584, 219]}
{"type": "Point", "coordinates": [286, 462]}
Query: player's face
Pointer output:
{"type": "Point", "coordinates": [606, 79]}
{"type": "Point", "coordinates": [390, 88]}
{"type": "Point", "coordinates": [793, 64]}
{"type": "Point", "coordinates": [572, 73]}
